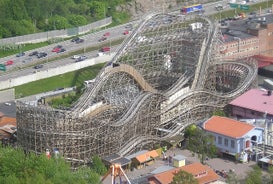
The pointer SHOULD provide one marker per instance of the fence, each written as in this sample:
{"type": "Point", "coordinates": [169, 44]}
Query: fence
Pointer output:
{"type": "Point", "coordinates": [44, 36]}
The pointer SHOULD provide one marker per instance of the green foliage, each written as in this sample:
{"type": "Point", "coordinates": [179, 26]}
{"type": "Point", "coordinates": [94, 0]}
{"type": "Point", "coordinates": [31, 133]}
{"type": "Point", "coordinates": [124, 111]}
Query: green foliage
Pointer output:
{"type": "Point", "coordinates": [254, 176]}
{"type": "Point", "coordinates": [219, 113]}
{"type": "Point", "coordinates": [77, 20]}
{"type": "Point", "coordinates": [182, 177]}
{"type": "Point", "coordinates": [16, 167]}
{"type": "Point", "coordinates": [201, 143]}
{"type": "Point", "coordinates": [190, 131]}
{"type": "Point", "coordinates": [98, 166]}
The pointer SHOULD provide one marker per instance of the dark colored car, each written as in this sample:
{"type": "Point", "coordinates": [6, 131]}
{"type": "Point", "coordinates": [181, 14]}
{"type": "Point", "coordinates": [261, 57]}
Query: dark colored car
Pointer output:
{"type": "Point", "coordinates": [81, 58]}
{"type": "Point", "coordinates": [41, 55]}
{"type": "Point", "coordinates": [20, 54]}
{"type": "Point", "coordinates": [80, 40]}
{"type": "Point", "coordinates": [75, 39]}
{"type": "Point", "coordinates": [38, 66]}
{"type": "Point", "coordinates": [34, 53]}
{"type": "Point", "coordinates": [102, 39]}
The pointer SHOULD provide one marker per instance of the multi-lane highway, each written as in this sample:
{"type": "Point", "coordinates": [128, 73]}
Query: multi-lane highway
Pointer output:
{"type": "Point", "coordinates": [19, 66]}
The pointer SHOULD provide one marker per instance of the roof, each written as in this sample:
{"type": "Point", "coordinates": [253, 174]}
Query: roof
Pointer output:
{"type": "Point", "coordinates": [179, 157]}
{"type": "Point", "coordinates": [147, 156]}
{"type": "Point", "coordinates": [263, 61]}
{"type": "Point", "coordinates": [116, 159]}
{"type": "Point", "coordinates": [261, 103]}
{"type": "Point", "coordinates": [203, 173]}
{"type": "Point", "coordinates": [136, 154]}
{"type": "Point", "coordinates": [226, 126]}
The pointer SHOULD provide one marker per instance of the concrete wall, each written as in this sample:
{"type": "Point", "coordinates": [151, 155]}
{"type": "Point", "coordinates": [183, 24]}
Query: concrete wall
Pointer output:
{"type": "Point", "coordinates": [7, 95]}
{"type": "Point", "coordinates": [54, 71]}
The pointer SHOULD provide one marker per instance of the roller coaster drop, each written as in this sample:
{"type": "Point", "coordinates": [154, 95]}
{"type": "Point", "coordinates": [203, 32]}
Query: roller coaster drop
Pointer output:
{"type": "Point", "coordinates": [163, 78]}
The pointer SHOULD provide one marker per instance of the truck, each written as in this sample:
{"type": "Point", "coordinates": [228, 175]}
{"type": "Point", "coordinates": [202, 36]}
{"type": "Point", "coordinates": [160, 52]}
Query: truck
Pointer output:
{"type": "Point", "coordinates": [192, 8]}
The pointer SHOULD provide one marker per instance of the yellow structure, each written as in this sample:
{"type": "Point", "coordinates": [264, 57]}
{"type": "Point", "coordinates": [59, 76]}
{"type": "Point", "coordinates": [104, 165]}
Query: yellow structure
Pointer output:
{"type": "Point", "coordinates": [179, 161]}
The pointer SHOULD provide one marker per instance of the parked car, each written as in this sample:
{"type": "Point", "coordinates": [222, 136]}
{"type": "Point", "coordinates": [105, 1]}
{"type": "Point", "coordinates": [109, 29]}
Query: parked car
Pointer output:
{"type": "Point", "coordinates": [10, 62]}
{"type": "Point", "coordinates": [105, 49]}
{"type": "Point", "coordinates": [61, 50]}
{"type": "Point", "coordinates": [107, 34]}
{"type": "Point", "coordinates": [38, 66]}
{"type": "Point", "coordinates": [102, 39]}
{"type": "Point", "coordinates": [7, 103]}
{"type": "Point", "coordinates": [41, 55]}
{"type": "Point", "coordinates": [34, 53]}
{"type": "Point", "coordinates": [81, 58]}
{"type": "Point", "coordinates": [20, 54]}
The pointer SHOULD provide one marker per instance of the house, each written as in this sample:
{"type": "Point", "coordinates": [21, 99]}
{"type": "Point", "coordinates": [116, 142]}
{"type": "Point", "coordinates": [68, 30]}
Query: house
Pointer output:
{"type": "Point", "coordinates": [253, 104]}
{"type": "Point", "coordinates": [203, 173]}
{"type": "Point", "coordinates": [233, 137]}
{"type": "Point", "coordinates": [147, 158]}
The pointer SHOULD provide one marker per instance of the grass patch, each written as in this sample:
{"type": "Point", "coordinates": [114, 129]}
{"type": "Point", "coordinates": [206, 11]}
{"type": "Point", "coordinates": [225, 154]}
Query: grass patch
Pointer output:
{"type": "Point", "coordinates": [70, 79]}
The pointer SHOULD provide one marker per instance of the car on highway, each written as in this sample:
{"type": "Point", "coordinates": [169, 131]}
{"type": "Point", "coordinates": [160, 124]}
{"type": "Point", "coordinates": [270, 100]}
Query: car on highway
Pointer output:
{"type": "Point", "coordinates": [105, 49]}
{"type": "Point", "coordinates": [75, 57]}
{"type": "Point", "coordinates": [80, 40]}
{"type": "Point", "coordinates": [38, 66]}
{"type": "Point", "coordinates": [41, 54]}
{"type": "Point", "coordinates": [34, 53]}
{"type": "Point", "coordinates": [27, 60]}
{"type": "Point", "coordinates": [126, 32]}
{"type": "Point", "coordinates": [81, 58]}
{"type": "Point", "coordinates": [57, 48]}
{"type": "Point", "coordinates": [20, 54]}
{"type": "Point", "coordinates": [9, 62]}
{"type": "Point", "coordinates": [61, 50]}
{"type": "Point", "coordinates": [102, 39]}
{"type": "Point", "coordinates": [106, 34]}
{"type": "Point", "coordinates": [7, 104]}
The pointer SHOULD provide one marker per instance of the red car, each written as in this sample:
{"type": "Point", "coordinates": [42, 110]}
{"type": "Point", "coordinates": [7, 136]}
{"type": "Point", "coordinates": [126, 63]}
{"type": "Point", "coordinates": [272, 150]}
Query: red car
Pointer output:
{"type": "Point", "coordinates": [107, 34]}
{"type": "Point", "coordinates": [10, 62]}
{"type": "Point", "coordinates": [126, 32]}
{"type": "Point", "coordinates": [105, 49]}
{"type": "Point", "coordinates": [57, 49]}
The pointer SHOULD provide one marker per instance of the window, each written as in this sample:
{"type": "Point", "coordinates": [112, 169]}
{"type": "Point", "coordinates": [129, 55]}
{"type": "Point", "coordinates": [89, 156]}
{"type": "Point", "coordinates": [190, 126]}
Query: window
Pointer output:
{"type": "Point", "coordinates": [226, 142]}
{"type": "Point", "coordinates": [232, 144]}
{"type": "Point", "coordinates": [219, 140]}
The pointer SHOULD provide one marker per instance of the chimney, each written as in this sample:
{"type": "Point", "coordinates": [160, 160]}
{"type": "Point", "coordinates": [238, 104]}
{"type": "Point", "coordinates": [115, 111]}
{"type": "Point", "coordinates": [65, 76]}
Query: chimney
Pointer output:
{"type": "Point", "coordinates": [269, 93]}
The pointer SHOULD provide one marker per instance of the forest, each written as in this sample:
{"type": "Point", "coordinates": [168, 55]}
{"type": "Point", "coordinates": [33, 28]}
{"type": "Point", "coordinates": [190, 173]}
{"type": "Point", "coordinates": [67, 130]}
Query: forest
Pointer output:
{"type": "Point", "coordinates": [20, 17]}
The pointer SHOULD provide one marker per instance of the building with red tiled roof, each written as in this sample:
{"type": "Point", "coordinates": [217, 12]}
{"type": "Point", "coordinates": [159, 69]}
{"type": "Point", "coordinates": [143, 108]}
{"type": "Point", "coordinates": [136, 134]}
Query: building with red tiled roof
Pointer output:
{"type": "Point", "coordinates": [203, 173]}
{"type": "Point", "coordinates": [7, 126]}
{"type": "Point", "coordinates": [146, 158]}
{"type": "Point", "coordinates": [233, 137]}
{"type": "Point", "coordinates": [253, 104]}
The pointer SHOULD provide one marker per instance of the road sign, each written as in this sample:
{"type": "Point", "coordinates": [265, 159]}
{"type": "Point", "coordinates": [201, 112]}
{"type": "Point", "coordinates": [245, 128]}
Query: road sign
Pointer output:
{"type": "Point", "coordinates": [244, 7]}
{"type": "Point", "coordinates": [2, 67]}
{"type": "Point", "coordinates": [233, 5]}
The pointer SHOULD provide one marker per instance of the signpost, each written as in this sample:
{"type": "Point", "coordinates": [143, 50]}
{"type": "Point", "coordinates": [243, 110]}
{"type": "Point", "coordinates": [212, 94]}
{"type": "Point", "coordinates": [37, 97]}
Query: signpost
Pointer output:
{"type": "Point", "coordinates": [2, 67]}
{"type": "Point", "coordinates": [244, 7]}
{"type": "Point", "coordinates": [233, 5]}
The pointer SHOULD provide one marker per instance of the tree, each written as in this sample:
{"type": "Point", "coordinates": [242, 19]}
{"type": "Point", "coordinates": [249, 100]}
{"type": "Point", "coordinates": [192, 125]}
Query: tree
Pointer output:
{"type": "Point", "coordinates": [254, 176]}
{"type": "Point", "coordinates": [16, 167]}
{"type": "Point", "coordinates": [219, 113]}
{"type": "Point", "coordinates": [200, 142]}
{"type": "Point", "coordinates": [182, 177]}
{"type": "Point", "coordinates": [98, 166]}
